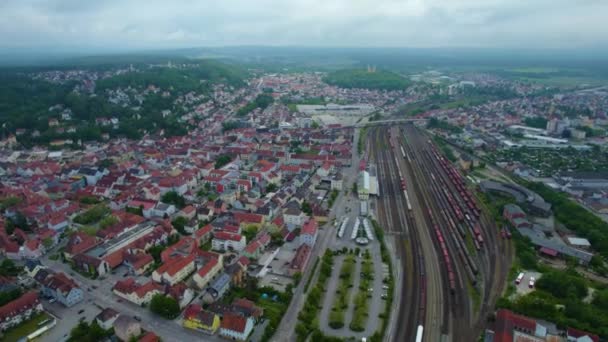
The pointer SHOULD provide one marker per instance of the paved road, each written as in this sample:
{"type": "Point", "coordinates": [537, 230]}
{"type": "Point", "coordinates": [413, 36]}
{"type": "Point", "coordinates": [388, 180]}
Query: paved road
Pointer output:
{"type": "Point", "coordinates": [327, 236]}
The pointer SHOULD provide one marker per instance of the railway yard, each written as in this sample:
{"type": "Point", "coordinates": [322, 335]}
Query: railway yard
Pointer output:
{"type": "Point", "coordinates": [453, 261]}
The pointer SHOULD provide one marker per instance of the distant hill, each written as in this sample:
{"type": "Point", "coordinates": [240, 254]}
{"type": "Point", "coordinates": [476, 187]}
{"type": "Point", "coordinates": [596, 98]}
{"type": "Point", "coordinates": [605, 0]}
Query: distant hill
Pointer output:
{"type": "Point", "coordinates": [179, 79]}
{"type": "Point", "coordinates": [25, 102]}
{"type": "Point", "coordinates": [361, 78]}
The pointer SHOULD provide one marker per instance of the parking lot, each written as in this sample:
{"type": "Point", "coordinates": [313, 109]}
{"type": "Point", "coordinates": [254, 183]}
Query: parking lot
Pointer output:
{"type": "Point", "coordinates": [277, 275]}
{"type": "Point", "coordinates": [68, 318]}
{"type": "Point", "coordinates": [523, 288]}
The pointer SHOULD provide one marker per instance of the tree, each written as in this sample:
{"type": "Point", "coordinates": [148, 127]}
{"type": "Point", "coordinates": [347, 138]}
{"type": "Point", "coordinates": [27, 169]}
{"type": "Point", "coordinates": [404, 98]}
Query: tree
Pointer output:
{"type": "Point", "coordinates": [360, 78]}
{"type": "Point", "coordinates": [8, 268]}
{"type": "Point", "coordinates": [164, 306]}
{"type": "Point", "coordinates": [92, 215]}
{"type": "Point", "coordinates": [179, 224]}
{"type": "Point", "coordinates": [536, 122]}
{"type": "Point", "coordinates": [222, 160]}
{"type": "Point", "coordinates": [306, 208]}
{"type": "Point", "coordinates": [9, 202]}
{"type": "Point", "coordinates": [106, 163]}
{"type": "Point", "coordinates": [18, 221]}
{"type": "Point", "coordinates": [297, 277]}
{"type": "Point", "coordinates": [271, 187]}
{"type": "Point", "coordinates": [8, 296]}
{"type": "Point", "coordinates": [47, 242]}
{"type": "Point", "coordinates": [249, 232]}
{"type": "Point", "coordinates": [137, 211]}
{"type": "Point", "coordinates": [174, 198]}
{"type": "Point", "coordinates": [108, 221]}
{"type": "Point", "coordinates": [83, 332]}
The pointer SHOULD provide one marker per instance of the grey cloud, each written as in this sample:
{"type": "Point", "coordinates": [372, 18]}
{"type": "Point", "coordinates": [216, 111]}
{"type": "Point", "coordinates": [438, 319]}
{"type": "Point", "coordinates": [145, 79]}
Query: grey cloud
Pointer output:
{"type": "Point", "coordinates": [398, 23]}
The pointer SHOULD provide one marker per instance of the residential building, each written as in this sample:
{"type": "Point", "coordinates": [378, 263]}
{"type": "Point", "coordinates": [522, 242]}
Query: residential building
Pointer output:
{"type": "Point", "coordinates": [224, 241]}
{"type": "Point", "coordinates": [236, 327]}
{"type": "Point", "coordinates": [19, 310]}
{"type": "Point", "coordinates": [207, 272]}
{"type": "Point", "coordinates": [182, 294]}
{"type": "Point", "coordinates": [132, 291]}
{"type": "Point", "coordinates": [293, 216]}
{"type": "Point", "coordinates": [198, 319]}
{"type": "Point", "coordinates": [174, 270]}
{"type": "Point", "coordinates": [217, 289]}
{"type": "Point", "coordinates": [60, 287]}
{"type": "Point", "coordinates": [91, 265]}
{"type": "Point", "coordinates": [300, 259]}
{"type": "Point", "coordinates": [126, 328]}
{"type": "Point", "coordinates": [138, 263]}
{"type": "Point", "coordinates": [106, 318]}
{"type": "Point", "coordinates": [309, 232]}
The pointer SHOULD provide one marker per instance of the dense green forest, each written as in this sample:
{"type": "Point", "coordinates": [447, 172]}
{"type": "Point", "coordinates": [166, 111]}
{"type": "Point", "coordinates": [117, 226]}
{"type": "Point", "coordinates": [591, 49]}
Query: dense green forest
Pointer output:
{"type": "Point", "coordinates": [536, 122]}
{"type": "Point", "coordinates": [181, 80]}
{"type": "Point", "coordinates": [360, 78]}
{"type": "Point", "coordinates": [25, 102]}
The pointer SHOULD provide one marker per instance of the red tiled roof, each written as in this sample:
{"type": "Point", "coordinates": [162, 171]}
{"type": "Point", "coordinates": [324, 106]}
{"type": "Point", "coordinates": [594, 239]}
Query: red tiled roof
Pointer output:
{"type": "Point", "coordinates": [244, 261]}
{"type": "Point", "coordinates": [126, 286]}
{"type": "Point", "coordinates": [176, 264]}
{"type": "Point", "coordinates": [301, 257]}
{"type": "Point", "coordinates": [116, 258]}
{"type": "Point", "coordinates": [149, 337]}
{"type": "Point", "coordinates": [248, 218]}
{"type": "Point", "coordinates": [227, 236]}
{"type": "Point", "coordinates": [548, 251]}
{"type": "Point", "coordinates": [234, 322]}
{"type": "Point", "coordinates": [15, 307]}
{"type": "Point", "coordinates": [139, 260]}
{"type": "Point", "coordinates": [189, 209]}
{"type": "Point", "coordinates": [142, 290]}
{"type": "Point", "coordinates": [310, 227]}
{"type": "Point", "coordinates": [252, 247]}
{"type": "Point", "coordinates": [211, 263]}
{"type": "Point", "coordinates": [203, 231]}
{"type": "Point", "coordinates": [506, 321]}
{"type": "Point", "coordinates": [184, 246]}
{"type": "Point", "coordinates": [80, 243]}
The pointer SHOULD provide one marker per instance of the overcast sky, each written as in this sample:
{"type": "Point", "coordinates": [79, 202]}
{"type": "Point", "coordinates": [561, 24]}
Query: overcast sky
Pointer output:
{"type": "Point", "coordinates": [132, 24]}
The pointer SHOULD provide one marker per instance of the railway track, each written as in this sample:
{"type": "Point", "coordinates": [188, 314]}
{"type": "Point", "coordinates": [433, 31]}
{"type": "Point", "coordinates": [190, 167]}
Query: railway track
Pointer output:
{"type": "Point", "coordinates": [421, 303]}
{"type": "Point", "coordinates": [397, 223]}
{"type": "Point", "coordinates": [493, 255]}
{"type": "Point", "coordinates": [426, 206]}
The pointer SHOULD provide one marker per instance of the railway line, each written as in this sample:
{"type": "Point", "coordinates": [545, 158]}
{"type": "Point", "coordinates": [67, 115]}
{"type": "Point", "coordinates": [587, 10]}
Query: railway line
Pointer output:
{"type": "Point", "coordinates": [423, 301]}
{"type": "Point", "coordinates": [447, 246]}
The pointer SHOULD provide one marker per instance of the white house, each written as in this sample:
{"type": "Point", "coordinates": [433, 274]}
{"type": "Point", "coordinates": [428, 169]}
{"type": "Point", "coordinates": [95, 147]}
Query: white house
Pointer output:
{"type": "Point", "coordinates": [293, 216]}
{"type": "Point", "coordinates": [236, 327]}
{"type": "Point", "coordinates": [223, 241]}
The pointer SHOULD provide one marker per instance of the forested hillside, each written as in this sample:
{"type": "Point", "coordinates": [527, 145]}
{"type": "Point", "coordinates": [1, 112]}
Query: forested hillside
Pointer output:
{"type": "Point", "coordinates": [31, 104]}
{"type": "Point", "coordinates": [360, 78]}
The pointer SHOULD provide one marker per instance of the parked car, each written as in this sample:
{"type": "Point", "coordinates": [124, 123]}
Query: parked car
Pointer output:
{"type": "Point", "coordinates": [80, 311]}
{"type": "Point", "coordinates": [531, 283]}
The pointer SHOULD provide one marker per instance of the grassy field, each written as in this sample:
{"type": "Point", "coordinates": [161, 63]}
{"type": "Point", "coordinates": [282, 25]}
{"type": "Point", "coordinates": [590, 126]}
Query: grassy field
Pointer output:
{"type": "Point", "coordinates": [25, 328]}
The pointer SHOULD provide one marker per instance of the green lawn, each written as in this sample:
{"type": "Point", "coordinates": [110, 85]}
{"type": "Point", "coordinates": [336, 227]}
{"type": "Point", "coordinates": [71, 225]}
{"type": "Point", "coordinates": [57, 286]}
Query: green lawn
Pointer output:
{"type": "Point", "coordinates": [25, 328]}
